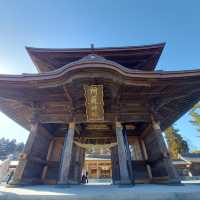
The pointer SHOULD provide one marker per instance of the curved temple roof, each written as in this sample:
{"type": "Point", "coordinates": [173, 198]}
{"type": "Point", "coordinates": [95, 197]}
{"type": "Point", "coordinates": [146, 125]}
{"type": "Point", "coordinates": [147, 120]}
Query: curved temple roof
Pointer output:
{"type": "Point", "coordinates": [132, 57]}
{"type": "Point", "coordinates": [134, 91]}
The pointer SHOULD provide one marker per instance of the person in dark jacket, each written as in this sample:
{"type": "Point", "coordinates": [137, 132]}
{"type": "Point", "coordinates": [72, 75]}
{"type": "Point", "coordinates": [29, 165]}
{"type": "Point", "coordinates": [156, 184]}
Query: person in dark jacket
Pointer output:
{"type": "Point", "coordinates": [86, 177]}
{"type": "Point", "coordinates": [83, 179]}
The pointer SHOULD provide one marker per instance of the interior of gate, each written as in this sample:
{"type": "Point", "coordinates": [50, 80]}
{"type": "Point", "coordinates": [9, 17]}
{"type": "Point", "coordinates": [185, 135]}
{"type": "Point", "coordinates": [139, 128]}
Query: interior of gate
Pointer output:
{"type": "Point", "coordinates": [97, 134]}
{"type": "Point", "coordinates": [146, 154]}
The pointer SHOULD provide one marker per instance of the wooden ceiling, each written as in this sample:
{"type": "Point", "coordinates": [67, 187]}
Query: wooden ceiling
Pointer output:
{"type": "Point", "coordinates": [96, 133]}
{"type": "Point", "coordinates": [132, 57]}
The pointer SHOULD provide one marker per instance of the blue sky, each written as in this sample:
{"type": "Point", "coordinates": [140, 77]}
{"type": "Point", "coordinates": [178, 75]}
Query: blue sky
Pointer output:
{"type": "Point", "coordinates": [78, 23]}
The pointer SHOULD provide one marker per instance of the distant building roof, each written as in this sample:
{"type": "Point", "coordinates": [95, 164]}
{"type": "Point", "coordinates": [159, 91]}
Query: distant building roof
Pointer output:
{"type": "Point", "coordinates": [98, 157]}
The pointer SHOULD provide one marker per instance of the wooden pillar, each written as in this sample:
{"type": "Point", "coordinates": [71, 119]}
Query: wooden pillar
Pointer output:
{"type": "Point", "coordinates": [115, 165]}
{"type": "Point", "coordinates": [146, 158]}
{"type": "Point", "coordinates": [128, 153]}
{"type": "Point", "coordinates": [33, 158]}
{"type": "Point", "coordinates": [66, 155]}
{"type": "Point", "coordinates": [98, 172]}
{"type": "Point", "coordinates": [81, 163]}
{"type": "Point", "coordinates": [122, 154]}
{"type": "Point", "coordinates": [170, 168]}
{"type": "Point", "coordinates": [50, 149]}
{"type": "Point", "coordinates": [77, 165]}
{"type": "Point", "coordinates": [23, 158]}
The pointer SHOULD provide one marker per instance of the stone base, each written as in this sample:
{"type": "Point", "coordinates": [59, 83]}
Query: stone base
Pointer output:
{"type": "Point", "coordinates": [102, 192]}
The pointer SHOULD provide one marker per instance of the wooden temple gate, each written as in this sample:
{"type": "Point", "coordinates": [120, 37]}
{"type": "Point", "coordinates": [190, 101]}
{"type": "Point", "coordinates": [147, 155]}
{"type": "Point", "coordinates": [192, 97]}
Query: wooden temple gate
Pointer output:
{"type": "Point", "coordinates": [112, 96]}
{"type": "Point", "coordinates": [58, 160]}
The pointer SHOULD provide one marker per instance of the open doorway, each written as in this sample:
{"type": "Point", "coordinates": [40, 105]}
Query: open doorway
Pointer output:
{"type": "Point", "coordinates": [98, 165]}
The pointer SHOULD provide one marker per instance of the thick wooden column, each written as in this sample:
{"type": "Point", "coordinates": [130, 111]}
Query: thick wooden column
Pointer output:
{"type": "Point", "coordinates": [18, 175]}
{"type": "Point", "coordinates": [115, 165]}
{"type": "Point", "coordinates": [167, 162]}
{"type": "Point", "coordinates": [76, 165]}
{"type": "Point", "coordinates": [82, 162]}
{"type": "Point", "coordinates": [128, 153]}
{"type": "Point", "coordinates": [66, 155]}
{"type": "Point", "coordinates": [146, 158]}
{"type": "Point", "coordinates": [50, 149]}
{"type": "Point", "coordinates": [33, 158]}
{"type": "Point", "coordinates": [122, 155]}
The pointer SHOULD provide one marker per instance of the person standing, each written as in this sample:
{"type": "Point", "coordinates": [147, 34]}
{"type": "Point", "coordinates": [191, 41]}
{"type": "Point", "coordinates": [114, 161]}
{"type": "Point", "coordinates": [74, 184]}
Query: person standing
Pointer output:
{"type": "Point", "coordinates": [86, 174]}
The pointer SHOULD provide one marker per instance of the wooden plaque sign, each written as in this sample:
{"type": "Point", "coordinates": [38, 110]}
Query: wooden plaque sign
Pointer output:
{"type": "Point", "coordinates": [94, 102]}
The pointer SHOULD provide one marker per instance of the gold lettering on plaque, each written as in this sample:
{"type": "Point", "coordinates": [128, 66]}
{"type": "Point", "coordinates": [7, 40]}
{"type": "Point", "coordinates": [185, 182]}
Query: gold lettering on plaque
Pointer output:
{"type": "Point", "coordinates": [94, 102]}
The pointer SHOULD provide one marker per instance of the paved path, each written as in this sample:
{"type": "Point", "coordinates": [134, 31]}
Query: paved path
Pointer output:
{"type": "Point", "coordinates": [102, 192]}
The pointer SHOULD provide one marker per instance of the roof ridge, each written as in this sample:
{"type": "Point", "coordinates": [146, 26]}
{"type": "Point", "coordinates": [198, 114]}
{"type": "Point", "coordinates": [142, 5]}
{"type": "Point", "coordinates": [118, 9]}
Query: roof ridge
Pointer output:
{"type": "Point", "coordinates": [162, 45]}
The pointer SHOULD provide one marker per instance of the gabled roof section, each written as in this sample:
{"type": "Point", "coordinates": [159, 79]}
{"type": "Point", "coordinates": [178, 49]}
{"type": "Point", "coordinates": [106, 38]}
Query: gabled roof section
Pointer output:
{"type": "Point", "coordinates": [132, 57]}
{"type": "Point", "coordinates": [170, 93]}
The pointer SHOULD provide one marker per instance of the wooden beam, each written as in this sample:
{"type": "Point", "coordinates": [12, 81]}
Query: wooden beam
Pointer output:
{"type": "Point", "coordinates": [81, 118]}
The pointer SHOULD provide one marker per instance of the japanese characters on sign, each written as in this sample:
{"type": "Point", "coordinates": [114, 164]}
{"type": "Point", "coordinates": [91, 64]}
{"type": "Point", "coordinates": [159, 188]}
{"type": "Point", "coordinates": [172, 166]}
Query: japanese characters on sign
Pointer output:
{"type": "Point", "coordinates": [94, 102]}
